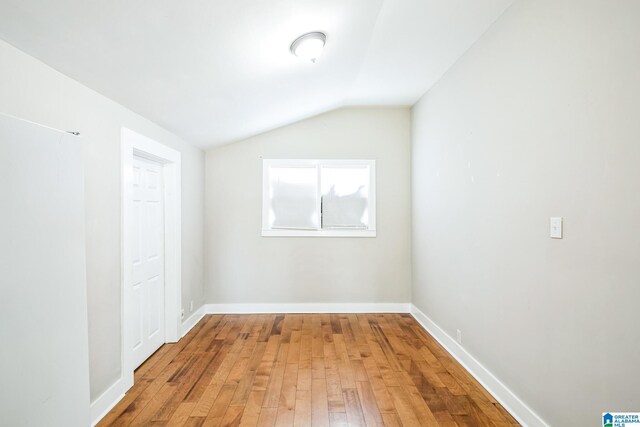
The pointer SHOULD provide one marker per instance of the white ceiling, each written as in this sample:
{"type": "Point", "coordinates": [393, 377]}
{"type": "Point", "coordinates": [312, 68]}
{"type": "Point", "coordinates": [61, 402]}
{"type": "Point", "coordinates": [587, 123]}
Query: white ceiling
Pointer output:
{"type": "Point", "coordinates": [216, 71]}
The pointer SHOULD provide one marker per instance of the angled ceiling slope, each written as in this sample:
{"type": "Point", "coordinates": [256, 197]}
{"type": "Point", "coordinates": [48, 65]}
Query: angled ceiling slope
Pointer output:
{"type": "Point", "coordinates": [215, 71]}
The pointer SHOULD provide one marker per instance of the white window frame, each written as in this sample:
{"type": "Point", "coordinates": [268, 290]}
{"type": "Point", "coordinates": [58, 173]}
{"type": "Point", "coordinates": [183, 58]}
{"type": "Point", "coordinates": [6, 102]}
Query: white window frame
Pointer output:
{"type": "Point", "coordinates": [271, 232]}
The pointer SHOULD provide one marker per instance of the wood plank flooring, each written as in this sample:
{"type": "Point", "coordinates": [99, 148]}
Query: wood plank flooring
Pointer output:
{"type": "Point", "coordinates": [306, 370]}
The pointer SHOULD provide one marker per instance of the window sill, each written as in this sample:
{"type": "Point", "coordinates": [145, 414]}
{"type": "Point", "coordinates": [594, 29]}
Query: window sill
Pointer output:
{"type": "Point", "coordinates": [318, 233]}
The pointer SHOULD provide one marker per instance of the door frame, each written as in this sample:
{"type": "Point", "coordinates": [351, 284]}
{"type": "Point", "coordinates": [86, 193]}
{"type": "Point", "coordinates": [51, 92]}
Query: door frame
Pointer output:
{"type": "Point", "coordinates": [135, 144]}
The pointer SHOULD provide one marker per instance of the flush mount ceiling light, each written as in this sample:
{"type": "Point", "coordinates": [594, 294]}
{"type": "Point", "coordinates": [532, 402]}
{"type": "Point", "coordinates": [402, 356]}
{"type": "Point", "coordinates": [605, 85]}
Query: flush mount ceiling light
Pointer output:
{"type": "Point", "coordinates": [309, 46]}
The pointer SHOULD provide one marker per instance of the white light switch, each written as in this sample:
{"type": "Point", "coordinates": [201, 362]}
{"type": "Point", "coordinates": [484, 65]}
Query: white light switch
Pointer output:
{"type": "Point", "coordinates": [555, 227]}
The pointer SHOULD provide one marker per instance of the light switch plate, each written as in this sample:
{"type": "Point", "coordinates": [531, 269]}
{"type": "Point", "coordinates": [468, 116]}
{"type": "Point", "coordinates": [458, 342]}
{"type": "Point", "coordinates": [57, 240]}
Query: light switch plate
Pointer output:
{"type": "Point", "coordinates": [555, 227]}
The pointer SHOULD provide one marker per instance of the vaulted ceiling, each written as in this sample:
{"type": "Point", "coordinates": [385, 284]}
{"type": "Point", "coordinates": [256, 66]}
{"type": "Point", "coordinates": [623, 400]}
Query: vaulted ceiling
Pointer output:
{"type": "Point", "coordinates": [216, 71]}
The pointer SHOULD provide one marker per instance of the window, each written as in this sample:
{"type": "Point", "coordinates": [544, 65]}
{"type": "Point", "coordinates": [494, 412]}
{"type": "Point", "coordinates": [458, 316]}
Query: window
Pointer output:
{"type": "Point", "coordinates": [319, 198]}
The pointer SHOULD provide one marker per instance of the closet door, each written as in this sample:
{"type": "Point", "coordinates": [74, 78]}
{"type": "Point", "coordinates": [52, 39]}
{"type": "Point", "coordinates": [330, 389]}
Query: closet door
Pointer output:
{"type": "Point", "coordinates": [147, 248]}
{"type": "Point", "coordinates": [44, 373]}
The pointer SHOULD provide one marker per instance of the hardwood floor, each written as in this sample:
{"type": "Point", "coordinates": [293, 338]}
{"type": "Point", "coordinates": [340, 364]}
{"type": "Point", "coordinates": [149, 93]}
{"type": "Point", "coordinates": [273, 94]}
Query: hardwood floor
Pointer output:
{"type": "Point", "coordinates": [306, 370]}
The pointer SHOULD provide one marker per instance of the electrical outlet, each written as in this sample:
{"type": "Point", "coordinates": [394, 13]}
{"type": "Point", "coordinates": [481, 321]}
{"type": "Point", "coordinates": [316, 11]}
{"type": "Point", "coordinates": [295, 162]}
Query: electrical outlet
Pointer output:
{"type": "Point", "coordinates": [182, 314]}
{"type": "Point", "coordinates": [191, 307]}
{"type": "Point", "coordinates": [459, 336]}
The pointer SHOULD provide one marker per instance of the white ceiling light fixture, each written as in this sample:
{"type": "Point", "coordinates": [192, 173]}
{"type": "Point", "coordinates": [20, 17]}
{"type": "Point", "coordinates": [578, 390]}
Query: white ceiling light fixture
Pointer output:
{"type": "Point", "coordinates": [309, 46]}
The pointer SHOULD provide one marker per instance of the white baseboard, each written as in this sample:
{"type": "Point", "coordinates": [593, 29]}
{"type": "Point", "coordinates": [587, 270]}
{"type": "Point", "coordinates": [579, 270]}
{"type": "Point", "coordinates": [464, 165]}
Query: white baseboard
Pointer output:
{"type": "Point", "coordinates": [110, 398]}
{"type": "Point", "coordinates": [516, 407]}
{"type": "Point", "coordinates": [308, 308]}
{"type": "Point", "coordinates": [193, 320]}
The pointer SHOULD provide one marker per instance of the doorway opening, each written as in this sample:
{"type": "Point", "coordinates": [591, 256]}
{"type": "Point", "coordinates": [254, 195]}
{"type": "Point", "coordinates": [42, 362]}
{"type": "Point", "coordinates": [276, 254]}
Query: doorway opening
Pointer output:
{"type": "Point", "coordinates": [151, 255]}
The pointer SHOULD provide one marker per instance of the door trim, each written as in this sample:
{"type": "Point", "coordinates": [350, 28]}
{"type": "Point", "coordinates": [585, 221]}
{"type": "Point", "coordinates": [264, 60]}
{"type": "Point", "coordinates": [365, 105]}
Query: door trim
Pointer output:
{"type": "Point", "coordinates": [135, 144]}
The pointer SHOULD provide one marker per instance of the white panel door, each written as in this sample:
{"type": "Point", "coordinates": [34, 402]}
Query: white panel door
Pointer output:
{"type": "Point", "coordinates": [147, 284]}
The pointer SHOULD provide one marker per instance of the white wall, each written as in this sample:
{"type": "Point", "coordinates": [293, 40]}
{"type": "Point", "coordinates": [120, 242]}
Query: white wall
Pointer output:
{"type": "Point", "coordinates": [32, 90]}
{"type": "Point", "coordinates": [43, 309]}
{"type": "Point", "coordinates": [243, 267]}
{"type": "Point", "coordinates": [540, 118]}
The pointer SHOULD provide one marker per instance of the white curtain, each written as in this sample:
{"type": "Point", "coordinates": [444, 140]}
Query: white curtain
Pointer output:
{"type": "Point", "coordinates": [293, 197]}
{"type": "Point", "coordinates": [345, 197]}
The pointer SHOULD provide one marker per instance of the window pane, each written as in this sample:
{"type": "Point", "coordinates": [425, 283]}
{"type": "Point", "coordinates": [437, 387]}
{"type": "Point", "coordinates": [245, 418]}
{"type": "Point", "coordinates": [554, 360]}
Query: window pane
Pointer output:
{"type": "Point", "coordinates": [345, 197]}
{"type": "Point", "coordinates": [292, 195]}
